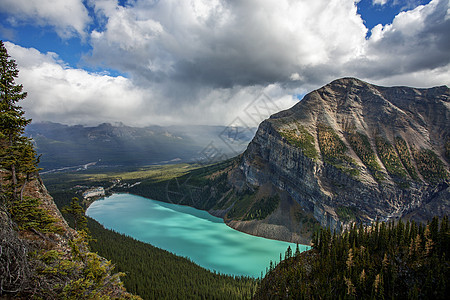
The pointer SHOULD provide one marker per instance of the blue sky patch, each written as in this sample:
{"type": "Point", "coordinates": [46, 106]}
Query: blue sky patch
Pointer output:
{"type": "Point", "coordinates": [374, 14]}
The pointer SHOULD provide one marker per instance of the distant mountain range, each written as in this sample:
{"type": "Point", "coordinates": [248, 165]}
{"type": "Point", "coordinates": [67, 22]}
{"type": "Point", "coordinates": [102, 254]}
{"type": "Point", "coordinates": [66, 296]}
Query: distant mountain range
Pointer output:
{"type": "Point", "coordinates": [68, 147]}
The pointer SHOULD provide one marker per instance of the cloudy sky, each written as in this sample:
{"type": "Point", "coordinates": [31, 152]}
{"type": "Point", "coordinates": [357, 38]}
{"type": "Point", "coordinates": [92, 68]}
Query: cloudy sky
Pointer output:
{"type": "Point", "coordinates": [164, 62]}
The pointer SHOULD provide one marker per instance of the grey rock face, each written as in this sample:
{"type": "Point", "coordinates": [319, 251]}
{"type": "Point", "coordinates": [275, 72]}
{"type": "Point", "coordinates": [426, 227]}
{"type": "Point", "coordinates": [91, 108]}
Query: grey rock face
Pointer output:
{"type": "Point", "coordinates": [405, 133]}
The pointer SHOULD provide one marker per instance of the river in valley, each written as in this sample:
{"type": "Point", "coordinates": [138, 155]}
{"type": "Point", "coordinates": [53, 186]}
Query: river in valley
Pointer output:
{"type": "Point", "coordinates": [189, 232]}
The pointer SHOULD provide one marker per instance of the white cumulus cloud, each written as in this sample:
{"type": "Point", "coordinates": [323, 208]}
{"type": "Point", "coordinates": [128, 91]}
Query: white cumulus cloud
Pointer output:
{"type": "Point", "coordinates": [379, 2]}
{"type": "Point", "coordinates": [62, 94]}
{"type": "Point", "coordinates": [417, 42]}
{"type": "Point", "coordinates": [206, 61]}
{"type": "Point", "coordinates": [68, 17]}
{"type": "Point", "coordinates": [75, 96]}
{"type": "Point", "coordinates": [224, 43]}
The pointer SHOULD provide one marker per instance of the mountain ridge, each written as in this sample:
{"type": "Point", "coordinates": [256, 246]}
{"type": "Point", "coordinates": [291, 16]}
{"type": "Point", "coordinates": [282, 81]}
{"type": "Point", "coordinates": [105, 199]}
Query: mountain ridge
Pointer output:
{"type": "Point", "coordinates": [108, 144]}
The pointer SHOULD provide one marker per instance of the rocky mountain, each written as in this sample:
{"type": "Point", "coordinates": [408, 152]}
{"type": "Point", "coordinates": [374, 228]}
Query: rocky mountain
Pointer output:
{"type": "Point", "coordinates": [348, 152]}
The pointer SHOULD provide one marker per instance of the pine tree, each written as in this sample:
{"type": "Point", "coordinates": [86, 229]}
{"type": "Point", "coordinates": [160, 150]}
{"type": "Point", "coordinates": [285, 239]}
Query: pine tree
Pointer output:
{"type": "Point", "coordinates": [77, 213]}
{"type": "Point", "coordinates": [16, 151]}
{"type": "Point", "coordinates": [428, 240]}
{"type": "Point", "coordinates": [444, 237]}
{"type": "Point", "coordinates": [297, 251]}
{"type": "Point", "coordinates": [349, 261]}
{"type": "Point", "coordinates": [288, 253]}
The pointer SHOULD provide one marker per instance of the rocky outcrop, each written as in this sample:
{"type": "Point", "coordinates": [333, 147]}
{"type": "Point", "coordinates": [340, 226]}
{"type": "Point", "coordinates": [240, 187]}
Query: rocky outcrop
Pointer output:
{"type": "Point", "coordinates": [354, 152]}
{"type": "Point", "coordinates": [42, 257]}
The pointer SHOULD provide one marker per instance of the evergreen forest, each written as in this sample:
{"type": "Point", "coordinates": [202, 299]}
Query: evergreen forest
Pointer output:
{"type": "Point", "coordinates": [384, 261]}
{"type": "Point", "coordinates": [154, 273]}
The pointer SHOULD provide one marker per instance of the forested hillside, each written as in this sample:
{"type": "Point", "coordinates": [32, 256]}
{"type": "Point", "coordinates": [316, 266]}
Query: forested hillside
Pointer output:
{"type": "Point", "coordinates": [383, 261]}
{"type": "Point", "coordinates": [154, 273]}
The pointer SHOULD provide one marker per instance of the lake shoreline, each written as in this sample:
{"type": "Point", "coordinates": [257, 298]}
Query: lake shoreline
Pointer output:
{"type": "Point", "coordinates": [253, 227]}
{"type": "Point", "coordinates": [189, 232]}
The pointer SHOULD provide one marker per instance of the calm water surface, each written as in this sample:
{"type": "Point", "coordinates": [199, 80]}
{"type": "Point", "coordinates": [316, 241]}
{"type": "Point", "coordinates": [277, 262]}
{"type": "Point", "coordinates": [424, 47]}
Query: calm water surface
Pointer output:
{"type": "Point", "coordinates": [188, 232]}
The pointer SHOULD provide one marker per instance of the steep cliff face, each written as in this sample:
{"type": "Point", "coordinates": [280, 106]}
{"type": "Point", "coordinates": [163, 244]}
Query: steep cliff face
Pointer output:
{"type": "Point", "coordinates": [352, 151]}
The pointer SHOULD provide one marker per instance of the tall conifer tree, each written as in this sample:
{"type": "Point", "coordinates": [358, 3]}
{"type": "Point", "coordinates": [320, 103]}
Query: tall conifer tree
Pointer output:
{"type": "Point", "coordinates": [17, 154]}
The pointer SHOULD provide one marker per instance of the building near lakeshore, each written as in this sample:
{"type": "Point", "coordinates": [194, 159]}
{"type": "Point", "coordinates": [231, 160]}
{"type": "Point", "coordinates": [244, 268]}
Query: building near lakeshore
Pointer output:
{"type": "Point", "coordinates": [94, 192]}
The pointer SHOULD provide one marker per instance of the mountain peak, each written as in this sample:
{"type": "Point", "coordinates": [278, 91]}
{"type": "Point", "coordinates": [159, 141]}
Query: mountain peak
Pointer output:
{"type": "Point", "coordinates": [347, 81]}
{"type": "Point", "coordinates": [378, 152]}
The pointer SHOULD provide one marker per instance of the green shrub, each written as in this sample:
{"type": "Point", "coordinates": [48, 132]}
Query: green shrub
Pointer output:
{"type": "Point", "coordinates": [302, 139]}
{"type": "Point", "coordinates": [262, 208]}
{"type": "Point", "coordinates": [405, 157]}
{"type": "Point", "coordinates": [346, 213]}
{"type": "Point", "coordinates": [430, 166]}
{"type": "Point", "coordinates": [331, 146]}
{"type": "Point", "coordinates": [79, 274]}
{"type": "Point", "coordinates": [389, 157]}
{"type": "Point", "coordinates": [391, 161]}
{"type": "Point", "coordinates": [242, 203]}
{"type": "Point", "coordinates": [307, 221]}
{"type": "Point", "coordinates": [28, 214]}
{"type": "Point", "coordinates": [361, 145]}
{"type": "Point", "coordinates": [334, 150]}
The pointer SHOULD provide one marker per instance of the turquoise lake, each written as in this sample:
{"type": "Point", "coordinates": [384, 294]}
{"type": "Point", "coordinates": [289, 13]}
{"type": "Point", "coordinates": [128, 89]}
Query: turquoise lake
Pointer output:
{"type": "Point", "coordinates": [189, 232]}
